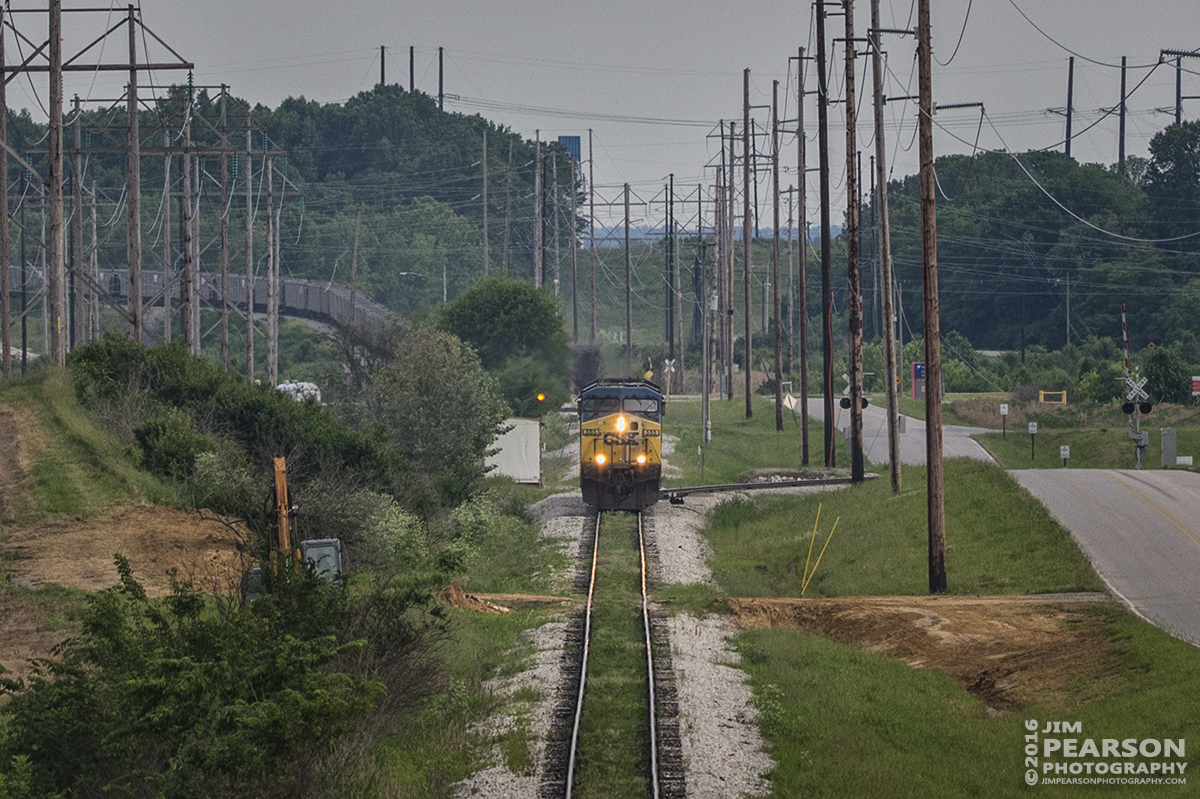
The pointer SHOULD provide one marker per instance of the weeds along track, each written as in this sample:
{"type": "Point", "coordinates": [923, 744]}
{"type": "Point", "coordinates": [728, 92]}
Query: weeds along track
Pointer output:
{"type": "Point", "coordinates": [616, 717]}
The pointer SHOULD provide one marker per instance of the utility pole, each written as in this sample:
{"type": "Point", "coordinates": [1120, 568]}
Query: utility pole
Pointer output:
{"type": "Point", "coordinates": [225, 232]}
{"type": "Point", "coordinates": [802, 260]}
{"type": "Point", "coordinates": [272, 277]}
{"type": "Point", "coordinates": [1070, 100]}
{"type": "Point", "coordinates": [775, 256]}
{"type": "Point", "coordinates": [730, 257]}
{"type": "Point", "coordinates": [680, 371]}
{"type": "Point", "coordinates": [354, 267]}
{"type": "Point", "coordinates": [669, 280]}
{"type": "Point", "coordinates": [628, 294]}
{"type": "Point", "coordinates": [747, 165]}
{"type": "Point", "coordinates": [574, 253]}
{"type": "Point", "coordinates": [719, 235]}
{"type": "Point", "coordinates": [168, 254]}
{"type": "Point", "coordinates": [441, 85]}
{"type": "Point", "coordinates": [133, 185]}
{"type": "Point", "coordinates": [382, 62]}
{"type": "Point", "coordinates": [826, 243]}
{"type": "Point", "coordinates": [929, 288]}
{"type": "Point", "coordinates": [557, 254]}
{"type": "Point", "coordinates": [539, 266]}
{"type": "Point", "coordinates": [592, 229]}
{"type": "Point", "coordinates": [54, 247]}
{"type": "Point", "coordinates": [885, 252]}
{"type": "Point", "coordinates": [5, 309]}
{"type": "Point", "coordinates": [1121, 131]}
{"type": "Point", "coordinates": [412, 69]}
{"type": "Point", "coordinates": [249, 253]}
{"type": "Point", "coordinates": [854, 282]}
{"type": "Point", "coordinates": [486, 243]}
{"type": "Point", "coordinates": [508, 202]}
{"type": "Point", "coordinates": [190, 304]}
{"type": "Point", "coordinates": [94, 267]}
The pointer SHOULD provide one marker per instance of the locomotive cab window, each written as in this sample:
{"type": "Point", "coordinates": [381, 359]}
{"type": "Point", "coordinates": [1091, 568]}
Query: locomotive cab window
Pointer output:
{"type": "Point", "coordinates": [642, 406]}
{"type": "Point", "coordinates": [595, 407]}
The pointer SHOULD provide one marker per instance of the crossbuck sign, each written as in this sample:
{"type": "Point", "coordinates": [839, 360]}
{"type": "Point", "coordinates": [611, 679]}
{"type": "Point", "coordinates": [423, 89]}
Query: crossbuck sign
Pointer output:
{"type": "Point", "coordinates": [1136, 391]}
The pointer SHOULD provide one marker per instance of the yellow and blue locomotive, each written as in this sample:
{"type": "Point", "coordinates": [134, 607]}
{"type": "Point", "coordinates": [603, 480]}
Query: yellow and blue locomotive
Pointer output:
{"type": "Point", "coordinates": [620, 444]}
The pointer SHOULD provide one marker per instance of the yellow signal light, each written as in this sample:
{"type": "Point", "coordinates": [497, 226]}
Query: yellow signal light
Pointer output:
{"type": "Point", "coordinates": [541, 397]}
{"type": "Point", "coordinates": [620, 424]}
{"type": "Point", "coordinates": [641, 459]}
{"type": "Point", "coordinates": [600, 459]}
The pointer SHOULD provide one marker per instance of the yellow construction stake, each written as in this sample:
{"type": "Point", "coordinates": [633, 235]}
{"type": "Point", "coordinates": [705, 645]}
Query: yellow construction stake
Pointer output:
{"type": "Point", "coordinates": [818, 563]}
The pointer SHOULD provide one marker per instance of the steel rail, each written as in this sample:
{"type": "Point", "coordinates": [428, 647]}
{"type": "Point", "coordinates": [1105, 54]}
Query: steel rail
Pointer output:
{"type": "Point", "coordinates": [587, 634]}
{"type": "Point", "coordinates": [649, 665]}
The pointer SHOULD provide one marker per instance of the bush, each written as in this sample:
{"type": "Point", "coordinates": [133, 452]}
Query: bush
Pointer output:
{"type": "Point", "coordinates": [169, 444]}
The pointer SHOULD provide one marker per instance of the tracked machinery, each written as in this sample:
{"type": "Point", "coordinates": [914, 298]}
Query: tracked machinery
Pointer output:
{"type": "Point", "coordinates": [324, 554]}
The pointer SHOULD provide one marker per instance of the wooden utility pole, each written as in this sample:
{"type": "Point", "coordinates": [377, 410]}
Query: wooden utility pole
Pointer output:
{"type": "Point", "coordinates": [592, 229]}
{"type": "Point", "coordinates": [225, 227]}
{"type": "Point", "coordinates": [730, 258]}
{"type": "Point", "coordinates": [747, 233]}
{"type": "Point", "coordinates": [441, 80]}
{"type": "Point", "coordinates": [190, 304]}
{"type": "Point", "coordinates": [486, 242]}
{"type": "Point", "coordinates": [574, 254]}
{"type": "Point", "coordinates": [853, 240]}
{"type": "Point", "coordinates": [885, 252]}
{"type": "Point", "coordinates": [508, 213]}
{"type": "Point", "coordinates": [54, 247]}
{"type": "Point", "coordinates": [249, 253]}
{"type": "Point", "coordinates": [826, 242]}
{"type": "Point", "coordinates": [557, 204]}
{"type": "Point", "coordinates": [133, 185]}
{"type": "Point", "coordinates": [719, 236]}
{"type": "Point", "coordinates": [1121, 132]}
{"type": "Point", "coordinates": [775, 257]}
{"type": "Point", "coordinates": [382, 64]}
{"type": "Point", "coordinates": [94, 271]}
{"type": "Point", "coordinates": [679, 370]}
{"type": "Point", "coordinates": [802, 260]}
{"type": "Point", "coordinates": [929, 288]}
{"type": "Point", "coordinates": [628, 294]}
{"type": "Point", "coordinates": [1070, 100]}
{"type": "Point", "coordinates": [668, 278]}
{"type": "Point", "coordinates": [77, 271]}
{"type": "Point", "coordinates": [5, 289]}
{"type": "Point", "coordinates": [168, 253]}
{"type": "Point", "coordinates": [272, 279]}
{"type": "Point", "coordinates": [539, 264]}
{"type": "Point", "coordinates": [412, 69]}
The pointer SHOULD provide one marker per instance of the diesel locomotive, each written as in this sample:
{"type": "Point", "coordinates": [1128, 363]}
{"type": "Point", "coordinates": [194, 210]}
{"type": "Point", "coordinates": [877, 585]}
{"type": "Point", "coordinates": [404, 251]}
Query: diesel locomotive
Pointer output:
{"type": "Point", "coordinates": [620, 444]}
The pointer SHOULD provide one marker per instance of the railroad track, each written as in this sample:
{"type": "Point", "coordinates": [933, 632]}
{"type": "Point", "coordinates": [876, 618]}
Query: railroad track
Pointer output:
{"type": "Point", "coordinates": [566, 770]}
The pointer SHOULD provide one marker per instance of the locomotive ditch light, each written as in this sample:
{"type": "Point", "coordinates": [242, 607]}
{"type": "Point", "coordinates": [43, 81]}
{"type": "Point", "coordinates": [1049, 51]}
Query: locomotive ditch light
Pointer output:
{"type": "Point", "coordinates": [641, 459]}
{"type": "Point", "coordinates": [600, 459]}
{"type": "Point", "coordinates": [620, 424]}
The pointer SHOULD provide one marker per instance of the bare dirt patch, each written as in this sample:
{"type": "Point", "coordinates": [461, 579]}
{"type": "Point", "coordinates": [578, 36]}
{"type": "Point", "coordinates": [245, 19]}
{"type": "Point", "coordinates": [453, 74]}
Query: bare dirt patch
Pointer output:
{"type": "Point", "coordinates": [1009, 651]}
{"type": "Point", "coordinates": [79, 554]}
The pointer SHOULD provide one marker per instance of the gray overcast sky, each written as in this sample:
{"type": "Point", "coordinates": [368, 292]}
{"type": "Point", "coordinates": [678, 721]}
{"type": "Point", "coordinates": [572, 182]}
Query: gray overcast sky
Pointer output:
{"type": "Point", "coordinates": [626, 69]}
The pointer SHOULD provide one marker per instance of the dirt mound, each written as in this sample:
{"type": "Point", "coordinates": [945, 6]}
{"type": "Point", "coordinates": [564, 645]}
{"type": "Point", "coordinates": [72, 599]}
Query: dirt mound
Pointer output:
{"type": "Point", "coordinates": [1010, 652]}
{"type": "Point", "coordinates": [79, 554]}
{"type": "Point", "coordinates": [455, 597]}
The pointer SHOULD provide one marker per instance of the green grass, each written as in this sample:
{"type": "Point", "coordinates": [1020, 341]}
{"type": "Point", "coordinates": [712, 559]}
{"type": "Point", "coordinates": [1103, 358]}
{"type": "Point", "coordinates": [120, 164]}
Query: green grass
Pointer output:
{"type": "Point", "coordinates": [82, 469]}
{"type": "Point", "coordinates": [613, 732]}
{"type": "Point", "coordinates": [1091, 448]}
{"type": "Point", "coordinates": [740, 445]}
{"type": "Point", "coordinates": [842, 722]}
{"type": "Point", "coordinates": [999, 540]}
{"type": "Point", "coordinates": [423, 760]}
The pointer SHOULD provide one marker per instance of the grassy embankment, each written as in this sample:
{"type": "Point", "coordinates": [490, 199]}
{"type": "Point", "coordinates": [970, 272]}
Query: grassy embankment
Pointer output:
{"type": "Point", "coordinates": [844, 722]}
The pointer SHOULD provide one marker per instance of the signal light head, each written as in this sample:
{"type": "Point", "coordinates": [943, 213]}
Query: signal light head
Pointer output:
{"type": "Point", "coordinates": [620, 424]}
{"type": "Point", "coordinates": [541, 397]}
{"type": "Point", "coordinates": [1145, 407]}
{"type": "Point", "coordinates": [1127, 407]}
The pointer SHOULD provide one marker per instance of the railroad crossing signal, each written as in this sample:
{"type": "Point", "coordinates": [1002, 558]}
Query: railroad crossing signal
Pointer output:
{"type": "Point", "coordinates": [1136, 389]}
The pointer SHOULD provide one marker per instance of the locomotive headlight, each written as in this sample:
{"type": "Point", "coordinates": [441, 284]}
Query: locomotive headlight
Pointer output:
{"type": "Point", "coordinates": [641, 459]}
{"type": "Point", "coordinates": [620, 424]}
{"type": "Point", "coordinates": [600, 460]}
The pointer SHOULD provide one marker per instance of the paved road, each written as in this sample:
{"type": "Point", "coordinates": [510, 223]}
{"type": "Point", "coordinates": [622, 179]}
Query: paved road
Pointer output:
{"type": "Point", "coordinates": [956, 441]}
{"type": "Point", "coordinates": [1140, 530]}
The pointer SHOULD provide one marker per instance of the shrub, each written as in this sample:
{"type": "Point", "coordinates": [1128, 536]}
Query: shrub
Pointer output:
{"type": "Point", "coordinates": [169, 444]}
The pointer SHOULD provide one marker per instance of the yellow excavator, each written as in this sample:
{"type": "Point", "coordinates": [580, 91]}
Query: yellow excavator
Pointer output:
{"type": "Point", "coordinates": [324, 553]}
